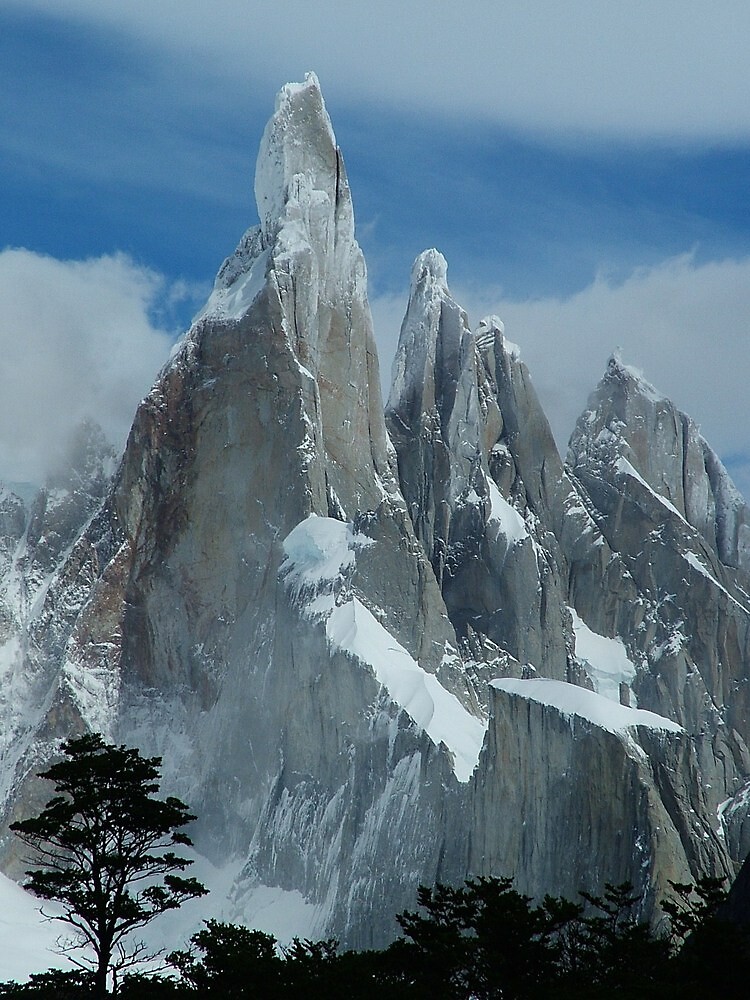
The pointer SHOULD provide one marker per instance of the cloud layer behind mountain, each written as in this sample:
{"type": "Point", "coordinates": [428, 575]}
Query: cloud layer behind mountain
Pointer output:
{"type": "Point", "coordinates": [77, 339]}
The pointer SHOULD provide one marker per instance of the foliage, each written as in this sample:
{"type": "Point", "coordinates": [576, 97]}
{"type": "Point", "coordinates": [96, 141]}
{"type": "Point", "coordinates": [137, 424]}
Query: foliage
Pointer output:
{"type": "Point", "coordinates": [692, 905]}
{"type": "Point", "coordinates": [138, 986]}
{"type": "Point", "coordinates": [229, 961]}
{"type": "Point", "coordinates": [52, 985]}
{"type": "Point", "coordinates": [618, 954]}
{"type": "Point", "coordinates": [233, 961]}
{"type": "Point", "coordinates": [104, 843]}
{"type": "Point", "coordinates": [480, 941]}
{"type": "Point", "coordinates": [710, 953]}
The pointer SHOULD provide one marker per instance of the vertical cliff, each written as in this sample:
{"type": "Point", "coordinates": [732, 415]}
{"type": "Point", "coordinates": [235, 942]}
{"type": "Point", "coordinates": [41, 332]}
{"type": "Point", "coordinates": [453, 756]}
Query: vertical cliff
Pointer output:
{"type": "Point", "coordinates": [377, 651]}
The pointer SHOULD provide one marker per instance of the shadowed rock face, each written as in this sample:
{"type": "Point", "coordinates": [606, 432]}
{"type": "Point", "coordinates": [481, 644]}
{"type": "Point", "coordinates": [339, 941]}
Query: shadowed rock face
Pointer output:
{"type": "Point", "coordinates": [579, 785]}
{"type": "Point", "coordinates": [669, 510]}
{"type": "Point", "coordinates": [302, 614]}
{"type": "Point", "coordinates": [462, 416]}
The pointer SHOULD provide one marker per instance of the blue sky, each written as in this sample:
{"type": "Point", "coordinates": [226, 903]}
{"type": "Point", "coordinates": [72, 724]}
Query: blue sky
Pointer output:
{"type": "Point", "coordinates": [584, 168]}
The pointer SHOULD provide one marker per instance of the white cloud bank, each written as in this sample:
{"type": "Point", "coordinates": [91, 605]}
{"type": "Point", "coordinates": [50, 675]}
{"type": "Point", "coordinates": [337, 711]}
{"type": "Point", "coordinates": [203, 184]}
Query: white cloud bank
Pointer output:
{"type": "Point", "coordinates": [686, 325]}
{"type": "Point", "coordinates": [676, 68]}
{"type": "Point", "coordinates": [76, 340]}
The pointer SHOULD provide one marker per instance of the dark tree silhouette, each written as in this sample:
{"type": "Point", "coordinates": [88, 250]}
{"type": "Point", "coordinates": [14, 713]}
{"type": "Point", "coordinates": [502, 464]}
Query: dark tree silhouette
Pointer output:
{"type": "Point", "coordinates": [104, 846]}
{"type": "Point", "coordinates": [231, 961]}
{"type": "Point", "coordinates": [482, 940]}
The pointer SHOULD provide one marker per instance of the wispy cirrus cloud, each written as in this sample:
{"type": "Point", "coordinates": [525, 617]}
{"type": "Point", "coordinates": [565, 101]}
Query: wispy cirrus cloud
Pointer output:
{"type": "Point", "coordinates": [675, 68]}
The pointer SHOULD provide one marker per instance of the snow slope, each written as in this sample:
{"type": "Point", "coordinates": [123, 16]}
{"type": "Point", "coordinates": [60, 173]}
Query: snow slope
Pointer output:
{"type": "Point", "coordinates": [571, 700]}
{"type": "Point", "coordinates": [320, 551]}
{"type": "Point", "coordinates": [27, 940]}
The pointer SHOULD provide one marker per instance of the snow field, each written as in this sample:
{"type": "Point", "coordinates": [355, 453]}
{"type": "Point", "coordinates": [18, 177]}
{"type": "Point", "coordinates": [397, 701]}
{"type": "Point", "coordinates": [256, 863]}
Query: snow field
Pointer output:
{"type": "Point", "coordinates": [319, 552]}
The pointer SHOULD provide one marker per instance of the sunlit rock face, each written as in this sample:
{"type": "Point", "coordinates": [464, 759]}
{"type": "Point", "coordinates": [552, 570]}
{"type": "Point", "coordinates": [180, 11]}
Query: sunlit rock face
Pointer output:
{"type": "Point", "coordinates": [469, 432]}
{"type": "Point", "coordinates": [666, 506]}
{"type": "Point", "coordinates": [333, 624]}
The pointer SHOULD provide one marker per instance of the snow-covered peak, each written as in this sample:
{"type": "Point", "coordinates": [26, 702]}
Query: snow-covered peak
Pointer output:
{"type": "Point", "coordinates": [432, 334]}
{"type": "Point", "coordinates": [490, 330]}
{"type": "Point", "coordinates": [304, 206]}
{"type": "Point", "coordinates": [430, 269]}
{"type": "Point", "coordinates": [298, 150]}
{"type": "Point", "coordinates": [632, 377]}
{"type": "Point", "coordinates": [239, 280]}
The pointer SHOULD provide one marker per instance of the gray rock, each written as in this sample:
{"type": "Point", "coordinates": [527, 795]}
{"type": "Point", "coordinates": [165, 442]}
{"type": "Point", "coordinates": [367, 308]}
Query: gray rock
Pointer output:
{"type": "Point", "coordinates": [303, 618]}
{"type": "Point", "coordinates": [571, 799]}
{"type": "Point", "coordinates": [669, 510]}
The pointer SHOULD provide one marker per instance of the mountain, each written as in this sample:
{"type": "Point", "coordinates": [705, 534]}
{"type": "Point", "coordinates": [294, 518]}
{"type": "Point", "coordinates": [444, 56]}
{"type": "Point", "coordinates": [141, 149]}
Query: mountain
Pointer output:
{"type": "Point", "coordinates": [383, 647]}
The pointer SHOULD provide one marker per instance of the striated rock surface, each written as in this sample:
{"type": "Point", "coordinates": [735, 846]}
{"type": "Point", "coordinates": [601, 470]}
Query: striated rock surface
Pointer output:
{"type": "Point", "coordinates": [666, 506]}
{"type": "Point", "coordinates": [462, 416]}
{"type": "Point", "coordinates": [565, 759]}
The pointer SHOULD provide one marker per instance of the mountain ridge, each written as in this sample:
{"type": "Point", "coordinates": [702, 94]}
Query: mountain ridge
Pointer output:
{"type": "Point", "coordinates": [332, 619]}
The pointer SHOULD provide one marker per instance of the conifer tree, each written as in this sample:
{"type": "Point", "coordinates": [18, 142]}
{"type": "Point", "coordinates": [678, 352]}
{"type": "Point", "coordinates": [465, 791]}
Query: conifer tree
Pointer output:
{"type": "Point", "coordinates": [104, 844]}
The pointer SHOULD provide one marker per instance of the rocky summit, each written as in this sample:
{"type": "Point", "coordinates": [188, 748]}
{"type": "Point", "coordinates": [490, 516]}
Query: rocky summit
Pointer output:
{"type": "Point", "coordinates": [378, 647]}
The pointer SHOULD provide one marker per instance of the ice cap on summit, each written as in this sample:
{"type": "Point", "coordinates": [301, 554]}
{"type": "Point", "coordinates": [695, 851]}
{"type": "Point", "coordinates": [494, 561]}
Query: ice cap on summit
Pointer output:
{"type": "Point", "coordinates": [297, 141]}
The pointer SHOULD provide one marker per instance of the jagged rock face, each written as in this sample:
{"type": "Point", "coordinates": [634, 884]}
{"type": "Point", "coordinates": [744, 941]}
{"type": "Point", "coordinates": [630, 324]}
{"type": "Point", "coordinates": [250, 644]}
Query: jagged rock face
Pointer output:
{"type": "Point", "coordinates": [270, 412]}
{"type": "Point", "coordinates": [466, 423]}
{"type": "Point", "coordinates": [254, 575]}
{"type": "Point", "coordinates": [455, 414]}
{"type": "Point", "coordinates": [630, 425]}
{"type": "Point", "coordinates": [670, 512]}
{"type": "Point", "coordinates": [555, 749]}
{"type": "Point", "coordinates": [303, 620]}
{"type": "Point", "coordinates": [35, 544]}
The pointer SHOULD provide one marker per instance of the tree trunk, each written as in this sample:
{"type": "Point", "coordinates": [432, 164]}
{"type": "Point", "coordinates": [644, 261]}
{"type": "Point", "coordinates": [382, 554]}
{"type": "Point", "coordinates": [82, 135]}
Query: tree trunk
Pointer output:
{"type": "Point", "coordinates": [100, 976]}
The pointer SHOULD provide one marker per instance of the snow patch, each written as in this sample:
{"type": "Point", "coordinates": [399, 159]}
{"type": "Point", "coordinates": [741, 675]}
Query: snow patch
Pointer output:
{"type": "Point", "coordinates": [570, 700]}
{"type": "Point", "coordinates": [319, 549]}
{"type": "Point", "coordinates": [430, 266]}
{"type": "Point", "coordinates": [319, 553]}
{"type": "Point", "coordinates": [354, 629]}
{"type": "Point", "coordinates": [27, 940]}
{"type": "Point", "coordinates": [511, 349]}
{"type": "Point", "coordinates": [606, 660]}
{"type": "Point", "coordinates": [671, 646]}
{"type": "Point", "coordinates": [505, 516]}
{"type": "Point", "coordinates": [284, 913]}
{"type": "Point", "coordinates": [692, 560]}
{"type": "Point", "coordinates": [96, 692]}
{"type": "Point", "coordinates": [727, 809]}
{"type": "Point", "coordinates": [233, 301]}
{"type": "Point", "coordinates": [623, 466]}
